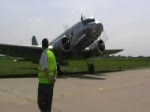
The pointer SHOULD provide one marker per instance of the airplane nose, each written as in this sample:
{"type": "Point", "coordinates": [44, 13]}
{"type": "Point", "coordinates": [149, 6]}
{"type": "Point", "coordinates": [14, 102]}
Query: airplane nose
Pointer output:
{"type": "Point", "coordinates": [99, 27]}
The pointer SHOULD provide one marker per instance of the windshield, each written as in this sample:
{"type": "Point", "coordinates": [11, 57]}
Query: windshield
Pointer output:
{"type": "Point", "coordinates": [88, 20]}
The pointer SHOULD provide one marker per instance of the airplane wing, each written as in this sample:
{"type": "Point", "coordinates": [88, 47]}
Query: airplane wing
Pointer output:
{"type": "Point", "coordinates": [111, 51]}
{"type": "Point", "coordinates": [96, 53]}
{"type": "Point", "coordinates": [31, 53]}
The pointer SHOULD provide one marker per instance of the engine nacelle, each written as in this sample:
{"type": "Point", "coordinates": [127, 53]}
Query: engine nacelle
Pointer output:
{"type": "Point", "coordinates": [96, 49]}
{"type": "Point", "coordinates": [62, 48]}
{"type": "Point", "coordinates": [98, 46]}
{"type": "Point", "coordinates": [101, 45]}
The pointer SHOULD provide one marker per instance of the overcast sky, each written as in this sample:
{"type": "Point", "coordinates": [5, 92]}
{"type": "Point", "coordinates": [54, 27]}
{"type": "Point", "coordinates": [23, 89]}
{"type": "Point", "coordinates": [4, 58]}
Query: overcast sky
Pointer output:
{"type": "Point", "coordinates": [126, 22]}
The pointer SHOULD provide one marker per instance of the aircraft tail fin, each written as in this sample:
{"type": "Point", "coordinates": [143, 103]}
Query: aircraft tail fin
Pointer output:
{"type": "Point", "coordinates": [34, 41]}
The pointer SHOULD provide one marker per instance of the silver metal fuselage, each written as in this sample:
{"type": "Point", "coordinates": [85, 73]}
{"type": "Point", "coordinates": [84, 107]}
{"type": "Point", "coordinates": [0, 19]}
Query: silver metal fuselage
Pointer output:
{"type": "Point", "coordinates": [82, 34]}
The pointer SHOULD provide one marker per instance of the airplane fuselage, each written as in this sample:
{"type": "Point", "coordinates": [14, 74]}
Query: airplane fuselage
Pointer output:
{"type": "Point", "coordinates": [82, 34]}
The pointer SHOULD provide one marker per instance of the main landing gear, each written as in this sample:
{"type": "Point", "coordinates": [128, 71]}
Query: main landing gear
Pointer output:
{"type": "Point", "coordinates": [58, 70]}
{"type": "Point", "coordinates": [91, 68]}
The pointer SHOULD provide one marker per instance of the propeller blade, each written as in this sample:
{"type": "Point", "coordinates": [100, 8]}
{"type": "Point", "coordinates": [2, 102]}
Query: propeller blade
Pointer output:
{"type": "Point", "coordinates": [104, 36]}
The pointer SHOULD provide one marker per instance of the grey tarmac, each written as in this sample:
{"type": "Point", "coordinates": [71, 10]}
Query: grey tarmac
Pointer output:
{"type": "Point", "coordinates": [124, 91]}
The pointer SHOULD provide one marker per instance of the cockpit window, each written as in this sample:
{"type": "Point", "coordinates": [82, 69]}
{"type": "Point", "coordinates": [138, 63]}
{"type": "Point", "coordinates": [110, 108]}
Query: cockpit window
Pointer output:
{"type": "Point", "coordinates": [88, 20]}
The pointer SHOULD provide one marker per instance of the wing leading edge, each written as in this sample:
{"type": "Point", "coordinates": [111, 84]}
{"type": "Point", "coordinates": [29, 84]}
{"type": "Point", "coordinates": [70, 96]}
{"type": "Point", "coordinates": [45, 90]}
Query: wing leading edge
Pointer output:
{"type": "Point", "coordinates": [31, 53]}
{"type": "Point", "coordinates": [97, 53]}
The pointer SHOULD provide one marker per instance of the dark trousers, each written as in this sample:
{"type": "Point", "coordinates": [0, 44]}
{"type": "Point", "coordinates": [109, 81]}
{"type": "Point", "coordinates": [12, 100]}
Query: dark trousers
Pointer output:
{"type": "Point", "coordinates": [45, 96]}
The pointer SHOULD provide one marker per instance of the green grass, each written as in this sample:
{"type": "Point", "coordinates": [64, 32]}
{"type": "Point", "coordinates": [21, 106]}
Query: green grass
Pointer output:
{"type": "Point", "coordinates": [9, 67]}
{"type": "Point", "coordinates": [103, 64]}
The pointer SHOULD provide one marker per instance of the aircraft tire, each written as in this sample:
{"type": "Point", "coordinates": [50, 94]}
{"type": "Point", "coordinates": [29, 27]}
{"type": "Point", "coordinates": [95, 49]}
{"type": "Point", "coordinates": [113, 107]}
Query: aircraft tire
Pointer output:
{"type": "Point", "coordinates": [91, 68]}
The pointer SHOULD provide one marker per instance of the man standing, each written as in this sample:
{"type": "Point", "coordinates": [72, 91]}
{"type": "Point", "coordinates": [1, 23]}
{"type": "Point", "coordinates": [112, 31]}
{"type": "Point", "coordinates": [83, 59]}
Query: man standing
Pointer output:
{"type": "Point", "coordinates": [47, 76]}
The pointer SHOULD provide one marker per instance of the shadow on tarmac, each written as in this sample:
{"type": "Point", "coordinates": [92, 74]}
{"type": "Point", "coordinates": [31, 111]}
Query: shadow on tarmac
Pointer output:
{"type": "Point", "coordinates": [86, 75]}
{"type": "Point", "coordinates": [80, 75]}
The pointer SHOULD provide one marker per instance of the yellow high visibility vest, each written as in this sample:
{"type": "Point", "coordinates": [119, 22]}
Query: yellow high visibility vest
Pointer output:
{"type": "Point", "coordinates": [51, 64]}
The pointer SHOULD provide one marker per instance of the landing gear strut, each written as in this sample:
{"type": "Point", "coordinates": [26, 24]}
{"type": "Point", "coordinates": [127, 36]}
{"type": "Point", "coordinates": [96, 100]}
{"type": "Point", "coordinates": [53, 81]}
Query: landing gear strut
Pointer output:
{"type": "Point", "coordinates": [58, 70]}
{"type": "Point", "coordinates": [91, 68]}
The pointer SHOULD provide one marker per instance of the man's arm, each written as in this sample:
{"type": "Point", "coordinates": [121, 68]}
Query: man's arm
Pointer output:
{"type": "Point", "coordinates": [51, 79]}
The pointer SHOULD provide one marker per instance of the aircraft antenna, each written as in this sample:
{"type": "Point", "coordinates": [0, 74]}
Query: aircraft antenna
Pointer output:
{"type": "Point", "coordinates": [82, 17]}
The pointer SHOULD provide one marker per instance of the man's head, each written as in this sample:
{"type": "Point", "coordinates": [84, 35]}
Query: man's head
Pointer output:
{"type": "Point", "coordinates": [45, 43]}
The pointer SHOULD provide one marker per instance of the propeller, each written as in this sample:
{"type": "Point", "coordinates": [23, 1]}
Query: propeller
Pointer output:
{"type": "Point", "coordinates": [66, 43]}
{"type": "Point", "coordinates": [103, 37]}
